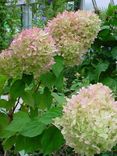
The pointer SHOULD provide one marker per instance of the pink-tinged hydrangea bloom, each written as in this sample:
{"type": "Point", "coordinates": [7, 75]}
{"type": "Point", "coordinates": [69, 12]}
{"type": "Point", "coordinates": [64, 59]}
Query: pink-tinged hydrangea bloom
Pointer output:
{"type": "Point", "coordinates": [89, 121]}
{"type": "Point", "coordinates": [31, 52]}
{"type": "Point", "coordinates": [74, 32]}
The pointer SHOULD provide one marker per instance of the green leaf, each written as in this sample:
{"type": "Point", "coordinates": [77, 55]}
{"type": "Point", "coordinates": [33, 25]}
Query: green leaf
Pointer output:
{"type": "Point", "coordinates": [105, 154]}
{"type": "Point", "coordinates": [17, 89]}
{"type": "Point", "coordinates": [52, 140]}
{"type": "Point", "coordinates": [59, 98]}
{"type": "Point", "coordinates": [112, 83]}
{"type": "Point", "coordinates": [3, 121]}
{"type": "Point", "coordinates": [91, 75]}
{"type": "Point", "coordinates": [104, 34]}
{"type": "Point", "coordinates": [48, 79]}
{"type": "Point", "coordinates": [101, 67]}
{"type": "Point", "coordinates": [28, 98]}
{"type": "Point", "coordinates": [33, 128]}
{"type": "Point", "coordinates": [27, 79]}
{"type": "Point", "coordinates": [4, 103]}
{"type": "Point", "coordinates": [7, 104]}
{"type": "Point", "coordinates": [48, 117]}
{"type": "Point", "coordinates": [7, 144]}
{"type": "Point", "coordinates": [5, 134]}
{"type": "Point", "coordinates": [2, 82]}
{"type": "Point", "coordinates": [27, 144]}
{"type": "Point", "coordinates": [59, 82]}
{"type": "Point", "coordinates": [58, 67]}
{"type": "Point", "coordinates": [48, 97]}
{"type": "Point", "coordinates": [114, 53]}
{"type": "Point", "coordinates": [8, 86]}
{"type": "Point", "coordinates": [43, 100]}
{"type": "Point", "coordinates": [19, 122]}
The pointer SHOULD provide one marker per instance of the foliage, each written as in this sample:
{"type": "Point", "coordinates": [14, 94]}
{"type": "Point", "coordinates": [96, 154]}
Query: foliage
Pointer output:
{"type": "Point", "coordinates": [99, 64]}
{"type": "Point", "coordinates": [31, 121]}
{"type": "Point", "coordinates": [9, 22]}
{"type": "Point", "coordinates": [2, 14]}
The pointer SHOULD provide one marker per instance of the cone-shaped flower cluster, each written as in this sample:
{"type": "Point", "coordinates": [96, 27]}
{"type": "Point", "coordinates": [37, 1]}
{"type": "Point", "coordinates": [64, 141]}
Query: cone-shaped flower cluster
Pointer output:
{"type": "Point", "coordinates": [74, 33]}
{"type": "Point", "coordinates": [89, 121]}
{"type": "Point", "coordinates": [31, 52]}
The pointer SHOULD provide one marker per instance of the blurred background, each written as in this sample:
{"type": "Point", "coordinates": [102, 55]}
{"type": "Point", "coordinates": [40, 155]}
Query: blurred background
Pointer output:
{"type": "Point", "coordinates": [16, 15]}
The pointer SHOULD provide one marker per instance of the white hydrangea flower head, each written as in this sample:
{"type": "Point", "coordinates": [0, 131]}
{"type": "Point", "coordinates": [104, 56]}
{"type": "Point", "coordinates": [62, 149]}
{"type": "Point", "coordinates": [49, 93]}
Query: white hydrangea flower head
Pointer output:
{"type": "Point", "coordinates": [89, 121]}
{"type": "Point", "coordinates": [31, 52]}
{"type": "Point", "coordinates": [74, 32]}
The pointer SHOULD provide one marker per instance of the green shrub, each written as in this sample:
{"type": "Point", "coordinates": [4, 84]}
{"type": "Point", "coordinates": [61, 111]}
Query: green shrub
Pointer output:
{"type": "Point", "coordinates": [29, 126]}
{"type": "Point", "coordinates": [9, 22]}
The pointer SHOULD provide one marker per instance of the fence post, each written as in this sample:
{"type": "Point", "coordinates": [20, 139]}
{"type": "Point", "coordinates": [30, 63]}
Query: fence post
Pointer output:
{"type": "Point", "coordinates": [26, 16]}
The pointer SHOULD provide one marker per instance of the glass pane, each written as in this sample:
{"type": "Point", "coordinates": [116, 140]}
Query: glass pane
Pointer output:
{"type": "Point", "coordinates": [115, 1]}
{"type": "Point", "coordinates": [102, 4]}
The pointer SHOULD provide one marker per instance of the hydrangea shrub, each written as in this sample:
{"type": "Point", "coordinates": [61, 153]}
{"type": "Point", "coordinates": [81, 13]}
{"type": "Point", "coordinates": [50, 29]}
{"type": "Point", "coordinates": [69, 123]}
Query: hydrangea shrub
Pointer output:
{"type": "Point", "coordinates": [31, 52]}
{"type": "Point", "coordinates": [89, 121]}
{"type": "Point", "coordinates": [74, 32]}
